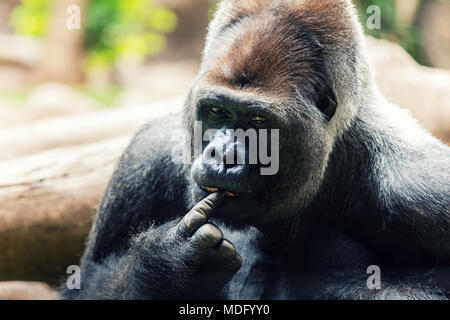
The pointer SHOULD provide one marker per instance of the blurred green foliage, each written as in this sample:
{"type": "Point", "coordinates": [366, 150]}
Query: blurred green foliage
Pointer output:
{"type": "Point", "coordinates": [130, 29]}
{"type": "Point", "coordinates": [30, 18]}
{"type": "Point", "coordinates": [408, 36]}
{"type": "Point", "coordinates": [113, 29]}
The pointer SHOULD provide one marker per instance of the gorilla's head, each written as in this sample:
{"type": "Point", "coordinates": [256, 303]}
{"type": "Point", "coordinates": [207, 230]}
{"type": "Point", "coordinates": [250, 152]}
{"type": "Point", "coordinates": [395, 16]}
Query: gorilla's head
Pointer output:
{"type": "Point", "coordinates": [283, 65]}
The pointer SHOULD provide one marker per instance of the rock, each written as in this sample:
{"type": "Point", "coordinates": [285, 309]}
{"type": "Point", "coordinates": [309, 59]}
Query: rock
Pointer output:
{"type": "Point", "coordinates": [20, 290]}
{"type": "Point", "coordinates": [54, 99]}
{"type": "Point", "coordinates": [422, 90]}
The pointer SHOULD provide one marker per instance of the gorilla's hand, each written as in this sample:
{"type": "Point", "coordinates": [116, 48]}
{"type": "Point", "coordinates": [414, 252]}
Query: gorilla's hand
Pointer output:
{"type": "Point", "coordinates": [190, 256]}
{"type": "Point", "coordinates": [215, 258]}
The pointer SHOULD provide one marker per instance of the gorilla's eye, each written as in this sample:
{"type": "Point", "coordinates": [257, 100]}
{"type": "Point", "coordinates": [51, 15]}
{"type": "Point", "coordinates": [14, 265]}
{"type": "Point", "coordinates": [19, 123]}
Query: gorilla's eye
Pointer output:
{"type": "Point", "coordinates": [327, 103]}
{"type": "Point", "coordinates": [218, 111]}
{"type": "Point", "coordinates": [259, 120]}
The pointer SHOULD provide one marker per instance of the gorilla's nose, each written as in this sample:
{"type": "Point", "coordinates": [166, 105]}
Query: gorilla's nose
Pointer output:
{"type": "Point", "coordinates": [225, 151]}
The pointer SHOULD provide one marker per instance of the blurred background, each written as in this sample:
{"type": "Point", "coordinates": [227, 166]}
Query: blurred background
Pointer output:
{"type": "Point", "coordinates": [70, 99]}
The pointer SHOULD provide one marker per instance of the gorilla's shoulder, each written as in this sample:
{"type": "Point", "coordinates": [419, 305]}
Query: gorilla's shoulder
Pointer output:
{"type": "Point", "coordinates": [146, 164]}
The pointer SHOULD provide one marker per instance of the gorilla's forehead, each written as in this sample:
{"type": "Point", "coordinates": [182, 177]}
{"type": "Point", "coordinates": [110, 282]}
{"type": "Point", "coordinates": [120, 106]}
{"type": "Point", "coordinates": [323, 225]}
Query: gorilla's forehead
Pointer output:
{"type": "Point", "coordinates": [271, 46]}
{"type": "Point", "coordinates": [266, 56]}
{"type": "Point", "coordinates": [322, 14]}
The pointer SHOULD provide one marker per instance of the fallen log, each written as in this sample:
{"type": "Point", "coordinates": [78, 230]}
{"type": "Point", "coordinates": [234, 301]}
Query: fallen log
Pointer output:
{"type": "Point", "coordinates": [68, 131]}
{"type": "Point", "coordinates": [47, 205]}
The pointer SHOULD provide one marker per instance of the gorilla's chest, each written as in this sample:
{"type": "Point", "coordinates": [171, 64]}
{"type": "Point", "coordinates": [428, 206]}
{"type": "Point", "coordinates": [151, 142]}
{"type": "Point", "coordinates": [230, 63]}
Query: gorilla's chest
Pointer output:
{"type": "Point", "coordinates": [261, 276]}
{"type": "Point", "coordinates": [252, 280]}
{"type": "Point", "coordinates": [266, 277]}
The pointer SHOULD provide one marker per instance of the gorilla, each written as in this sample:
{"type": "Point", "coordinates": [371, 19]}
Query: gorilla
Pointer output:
{"type": "Point", "coordinates": [359, 183]}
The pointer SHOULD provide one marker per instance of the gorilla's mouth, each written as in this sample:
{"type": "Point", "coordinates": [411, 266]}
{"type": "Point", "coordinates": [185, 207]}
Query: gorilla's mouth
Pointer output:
{"type": "Point", "coordinates": [235, 207]}
{"type": "Point", "coordinates": [212, 190]}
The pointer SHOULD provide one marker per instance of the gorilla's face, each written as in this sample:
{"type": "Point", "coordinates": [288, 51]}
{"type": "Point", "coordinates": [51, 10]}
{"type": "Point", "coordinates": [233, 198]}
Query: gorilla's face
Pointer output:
{"type": "Point", "coordinates": [267, 160]}
{"type": "Point", "coordinates": [269, 82]}
{"type": "Point", "coordinates": [240, 150]}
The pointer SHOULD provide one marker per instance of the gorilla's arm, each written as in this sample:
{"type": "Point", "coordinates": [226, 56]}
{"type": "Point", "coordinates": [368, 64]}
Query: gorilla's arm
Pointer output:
{"type": "Point", "coordinates": [184, 258]}
{"type": "Point", "coordinates": [413, 198]}
{"type": "Point", "coordinates": [400, 190]}
{"type": "Point", "coordinates": [146, 188]}
{"type": "Point", "coordinates": [135, 274]}
{"type": "Point", "coordinates": [144, 192]}
{"type": "Point", "coordinates": [340, 265]}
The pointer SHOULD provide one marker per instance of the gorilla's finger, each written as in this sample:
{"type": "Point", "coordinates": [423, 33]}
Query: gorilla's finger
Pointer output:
{"type": "Point", "coordinates": [207, 236]}
{"type": "Point", "coordinates": [210, 203]}
{"type": "Point", "coordinates": [191, 222]}
{"type": "Point", "coordinates": [227, 252]}
{"type": "Point", "coordinates": [200, 214]}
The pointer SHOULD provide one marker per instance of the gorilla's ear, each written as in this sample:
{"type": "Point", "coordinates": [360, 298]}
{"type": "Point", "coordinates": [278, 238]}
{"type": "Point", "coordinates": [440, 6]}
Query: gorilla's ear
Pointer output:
{"type": "Point", "coordinates": [327, 102]}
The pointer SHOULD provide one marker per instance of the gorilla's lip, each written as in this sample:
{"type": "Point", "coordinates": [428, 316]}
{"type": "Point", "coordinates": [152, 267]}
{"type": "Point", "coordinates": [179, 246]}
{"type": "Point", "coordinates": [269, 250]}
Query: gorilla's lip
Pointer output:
{"type": "Point", "coordinates": [213, 189]}
{"type": "Point", "coordinates": [231, 209]}
{"type": "Point", "coordinates": [212, 183]}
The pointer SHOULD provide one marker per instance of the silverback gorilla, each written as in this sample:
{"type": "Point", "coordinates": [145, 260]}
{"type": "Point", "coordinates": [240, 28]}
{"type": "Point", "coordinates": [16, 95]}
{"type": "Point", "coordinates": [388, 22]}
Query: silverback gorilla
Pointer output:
{"type": "Point", "coordinates": [359, 182]}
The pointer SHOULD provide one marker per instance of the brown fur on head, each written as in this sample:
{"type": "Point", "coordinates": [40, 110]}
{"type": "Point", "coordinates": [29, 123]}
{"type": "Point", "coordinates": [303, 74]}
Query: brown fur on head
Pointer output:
{"type": "Point", "coordinates": [277, 47]}
{"type": "Point", "coordinates": [319, 16]}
